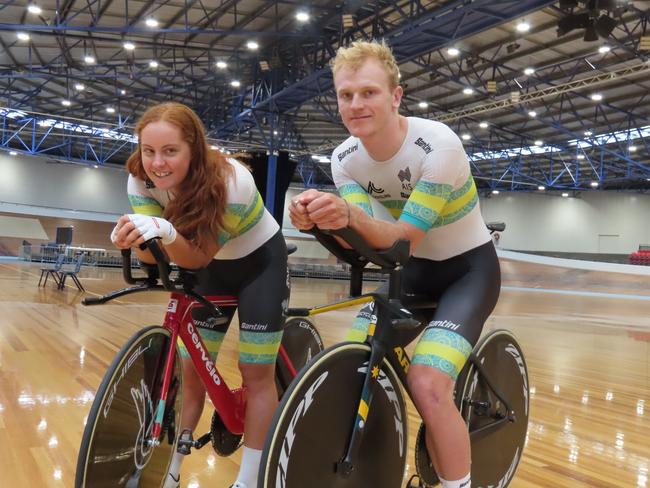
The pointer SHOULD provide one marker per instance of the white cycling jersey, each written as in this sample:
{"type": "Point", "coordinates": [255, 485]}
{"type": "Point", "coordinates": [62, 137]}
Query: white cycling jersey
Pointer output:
{"type": "Point", "coordinates": [248, 224]}
{"type": "Point", "coordinates": [427, 183]}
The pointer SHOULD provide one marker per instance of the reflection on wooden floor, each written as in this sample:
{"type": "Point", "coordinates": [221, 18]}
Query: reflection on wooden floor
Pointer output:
{"type": "Point", "coordinates": [588, 359]}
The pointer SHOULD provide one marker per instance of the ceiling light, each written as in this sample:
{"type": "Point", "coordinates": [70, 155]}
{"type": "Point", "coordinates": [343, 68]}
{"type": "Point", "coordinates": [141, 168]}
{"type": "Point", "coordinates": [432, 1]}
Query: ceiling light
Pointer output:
{"type": "Point", "coordinates": [565, 195]}
{"type": "Point", "coordinates": [79, 87]}
{"type": "Point", "coordinates": [275, 132]}
{"type": "Point", "coordinates": [129, 46]}
{"type": "Point", "coordinates": [532, 113]}
{"type": "Point", "coordinates": [580, 156]}
{"type": "Point", "coordinates": [95, 166]}
{"type": "Point", "coordinates": [588, 133]}
{"type": "Point", "coordinates": [423, 104]}
{"type": "Point", "coordinates": [122, 92]}
{"type": "Point", "coordinates": [596, 97]}
{"type": "Point", "coordinates": [541, 188]}
{"type": "Point", "coordinates": [529, 71]}
{"type": "Point", "coordinates": [151, 22]}
{"type": "Point", "coordinates": [523, 26]}
{"type": "Point", "coordinates": [34, 9]}
{"type": "Point", "coordinates": [22, 36]}
{"type": "Point", "coordinates": [495, 192]}
{"type": "Point", "coordinates": [539, 143]}
{"type": "Point", "coordinates": [252, 45]}
{"type": "Point", "coordinates": [302, 16]}
{"type": "Point", "coordinates": [453, 51]}
{"type": "Point", "coordinates": [466, 137]}
{"type": "Point", "coordinates": [153, 63]}
{"type": "Point", "coordinates": [214, 148]}
{"type": "Point", "coordinates": [13, 153]}
{"type": "Point", "coordinates": [604, 49]}
{"type": "Point", "coordinates": [483, 125]}
{"type": "Point", "coordinates": [468, 91]}
{"type": "Point", "coordinates": [235, 83]}
{"type": "Point", "coordinates": [632, 148]}
{"type": "Point", "coordinates": [89, 59]}
{"type": "Point", "coordinates": [222, 64]}
{"type": "Point", "coordinates": [110, 110]}
{"type": "Point", "coordinates": [594, 184]}
{"type": "Point", "coordinates": [66, 103]}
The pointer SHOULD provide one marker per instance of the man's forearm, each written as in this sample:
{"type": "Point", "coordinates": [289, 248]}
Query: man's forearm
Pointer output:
{"type": "Point", "coordinates": [377, 233]}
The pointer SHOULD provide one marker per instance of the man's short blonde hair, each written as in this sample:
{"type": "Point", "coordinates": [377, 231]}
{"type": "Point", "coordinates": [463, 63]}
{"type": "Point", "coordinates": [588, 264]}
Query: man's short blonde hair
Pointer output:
{"type": "Point", "coordinates": [359, 52]}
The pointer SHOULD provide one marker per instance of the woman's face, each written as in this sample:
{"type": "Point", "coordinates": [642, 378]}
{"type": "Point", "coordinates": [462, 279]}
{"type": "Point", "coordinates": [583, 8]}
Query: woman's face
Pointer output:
{"type": "Point", "coordinates": [165, 154]}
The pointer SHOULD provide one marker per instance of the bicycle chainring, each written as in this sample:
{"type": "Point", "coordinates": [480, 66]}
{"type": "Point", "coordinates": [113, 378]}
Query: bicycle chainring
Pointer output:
{"type": "Point", "coordinates": [224, 442]}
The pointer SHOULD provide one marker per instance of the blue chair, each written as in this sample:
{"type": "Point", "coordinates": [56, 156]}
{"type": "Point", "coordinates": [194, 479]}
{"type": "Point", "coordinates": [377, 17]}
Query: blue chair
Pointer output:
{"type": "Point", "coordinates": [72, 272]}
{"type": "Point", "coordinates": [52, 270]}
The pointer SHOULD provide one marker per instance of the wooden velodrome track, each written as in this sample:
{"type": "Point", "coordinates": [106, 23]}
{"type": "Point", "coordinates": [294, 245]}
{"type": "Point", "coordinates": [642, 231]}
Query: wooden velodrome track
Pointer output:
{"type": "Point", "coordinates": [586, 344]}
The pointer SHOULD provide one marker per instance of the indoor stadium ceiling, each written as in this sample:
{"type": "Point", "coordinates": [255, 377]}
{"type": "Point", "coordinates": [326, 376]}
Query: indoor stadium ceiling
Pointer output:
{"type": "Point", "coordinates": [552, 94]}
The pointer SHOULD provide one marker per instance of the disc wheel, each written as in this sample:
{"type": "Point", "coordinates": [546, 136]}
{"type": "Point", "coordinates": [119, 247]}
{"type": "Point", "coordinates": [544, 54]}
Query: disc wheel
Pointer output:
{"type": "Point", "coordinates": [117, 449]}
{"type": "Point", "coordinates": [496, 452]}
{"type": "Point", "coordinates": [301, 341]}
{"type": "Point", "coordinates": [312, 427]}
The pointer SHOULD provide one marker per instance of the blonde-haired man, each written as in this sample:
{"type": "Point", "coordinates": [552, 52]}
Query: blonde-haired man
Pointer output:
{"type": "Point", "coordinates": [417, 170]}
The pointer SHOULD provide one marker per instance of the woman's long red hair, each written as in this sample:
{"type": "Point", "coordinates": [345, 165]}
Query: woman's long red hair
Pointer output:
{"type": "Point", "coordinates": [199, 204]}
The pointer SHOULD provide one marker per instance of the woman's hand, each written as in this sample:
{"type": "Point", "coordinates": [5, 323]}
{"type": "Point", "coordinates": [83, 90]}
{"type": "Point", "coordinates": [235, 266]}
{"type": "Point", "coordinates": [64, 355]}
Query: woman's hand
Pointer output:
{"type": "Point", "coordinates": [125, 235]}
{"type": "Point", "coordinates": [132, 230]}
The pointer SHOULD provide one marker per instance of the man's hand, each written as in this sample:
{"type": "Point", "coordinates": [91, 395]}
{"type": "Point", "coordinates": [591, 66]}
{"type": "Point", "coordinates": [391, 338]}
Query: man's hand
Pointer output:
{"type": "Point", "coordinates": [328, 211]}
{"type": "Point", "coordinates": [298, 211]}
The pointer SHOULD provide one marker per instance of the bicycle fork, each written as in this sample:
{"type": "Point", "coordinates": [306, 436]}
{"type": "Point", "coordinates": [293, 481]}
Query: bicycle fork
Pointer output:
{"type": "Point", "coordinates": [377, 353]}
{"type": "Point", "coordinates": [160, 408]}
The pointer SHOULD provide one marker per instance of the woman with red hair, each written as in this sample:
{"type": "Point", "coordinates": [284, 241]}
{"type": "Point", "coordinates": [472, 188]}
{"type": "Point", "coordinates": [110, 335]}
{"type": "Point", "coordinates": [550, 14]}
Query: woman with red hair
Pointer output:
{"type": "Point", "coordinates": [208, 213]}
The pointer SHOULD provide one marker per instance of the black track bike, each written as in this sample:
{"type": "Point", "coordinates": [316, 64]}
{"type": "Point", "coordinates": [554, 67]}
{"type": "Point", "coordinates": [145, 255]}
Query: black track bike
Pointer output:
{"type": "Point", "coordinates": [343, 421]}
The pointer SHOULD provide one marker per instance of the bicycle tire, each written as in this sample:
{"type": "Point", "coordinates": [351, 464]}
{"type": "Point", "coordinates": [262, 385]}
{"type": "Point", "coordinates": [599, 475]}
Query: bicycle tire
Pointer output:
{"type": "Point", "coordinates": [114, 452]}
{"type": "Point", "coordinates": [495, 455]}
{"type": "Point", "coordinates": [302, 342]}
{"type": "Point", "coordinates": [311, 428]}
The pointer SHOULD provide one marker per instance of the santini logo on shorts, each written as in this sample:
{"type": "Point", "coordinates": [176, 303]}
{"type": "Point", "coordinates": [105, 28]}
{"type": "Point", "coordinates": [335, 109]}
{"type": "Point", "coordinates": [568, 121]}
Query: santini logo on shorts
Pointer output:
{"type": "Point", "coordinates": [258, 327]}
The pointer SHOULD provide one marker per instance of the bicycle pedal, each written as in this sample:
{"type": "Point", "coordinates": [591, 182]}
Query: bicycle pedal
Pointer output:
{"type": "Point", "coordinates": [185, 442]}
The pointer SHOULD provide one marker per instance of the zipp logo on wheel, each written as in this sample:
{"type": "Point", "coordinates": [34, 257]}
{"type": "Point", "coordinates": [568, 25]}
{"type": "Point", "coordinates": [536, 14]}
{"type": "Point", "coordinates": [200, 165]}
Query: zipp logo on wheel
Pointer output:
{"type": "Point", "coordinates": [289, 438]}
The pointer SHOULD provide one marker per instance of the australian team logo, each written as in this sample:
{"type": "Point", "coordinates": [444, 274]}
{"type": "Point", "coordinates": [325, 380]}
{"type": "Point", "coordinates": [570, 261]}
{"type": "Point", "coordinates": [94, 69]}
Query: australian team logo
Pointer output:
{"type": "Point", "coordinates": [404, 176]}
{"type": "Point", "coordinates": [373, 189]}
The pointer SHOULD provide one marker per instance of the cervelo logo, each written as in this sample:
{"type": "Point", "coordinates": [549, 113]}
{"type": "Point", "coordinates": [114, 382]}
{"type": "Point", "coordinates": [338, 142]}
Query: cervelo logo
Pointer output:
{"type": "Point", "coordinates": [290, 436]}
{"type": "Point", "coordinates": [209, 365]}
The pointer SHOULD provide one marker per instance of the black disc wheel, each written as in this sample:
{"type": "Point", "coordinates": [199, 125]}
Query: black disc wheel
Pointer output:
{"type": "Point", "coordinates": [312, 427]}
{"type": "Point", "coordinates": [301, 342]}
{"type": "Point", "coordinates": [497, 433]}
{"type": "Point", "coordinates": [117, 449]}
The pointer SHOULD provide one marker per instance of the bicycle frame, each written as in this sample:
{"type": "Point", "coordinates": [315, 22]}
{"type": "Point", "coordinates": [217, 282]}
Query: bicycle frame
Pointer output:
{"type": "Point", "coordinates": [178, 320]}
{"type": "Point", "coordinates": [380, 336]}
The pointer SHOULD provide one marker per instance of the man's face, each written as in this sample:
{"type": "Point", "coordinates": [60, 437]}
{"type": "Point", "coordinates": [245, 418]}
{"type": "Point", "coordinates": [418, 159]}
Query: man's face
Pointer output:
{"type": "Point", "coordinates": [366, 101]}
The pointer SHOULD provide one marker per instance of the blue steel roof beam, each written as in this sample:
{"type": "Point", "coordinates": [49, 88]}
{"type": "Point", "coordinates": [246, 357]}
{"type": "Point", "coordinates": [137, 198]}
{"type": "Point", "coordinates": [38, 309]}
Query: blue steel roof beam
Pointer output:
{"type": "Point", "coordinates": [439, 18]}
{"type": "Point", "coordinates": [558, 125]}
{"type": "Point", "coordinates": [6, 3]}
{"type": "Point", "coordinates": [125, 29]}
{"type": "Point", "coordinates": [541, 73]}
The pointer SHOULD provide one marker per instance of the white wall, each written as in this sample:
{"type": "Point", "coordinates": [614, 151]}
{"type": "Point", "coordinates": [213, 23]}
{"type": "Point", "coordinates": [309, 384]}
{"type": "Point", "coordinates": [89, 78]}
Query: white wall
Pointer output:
{"type": "Point", "coordinates": [28, 184]}
{"type": "Point", "coordinates": [606, 222]}
{"type": "Point", "coordinates": [596, 222]}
